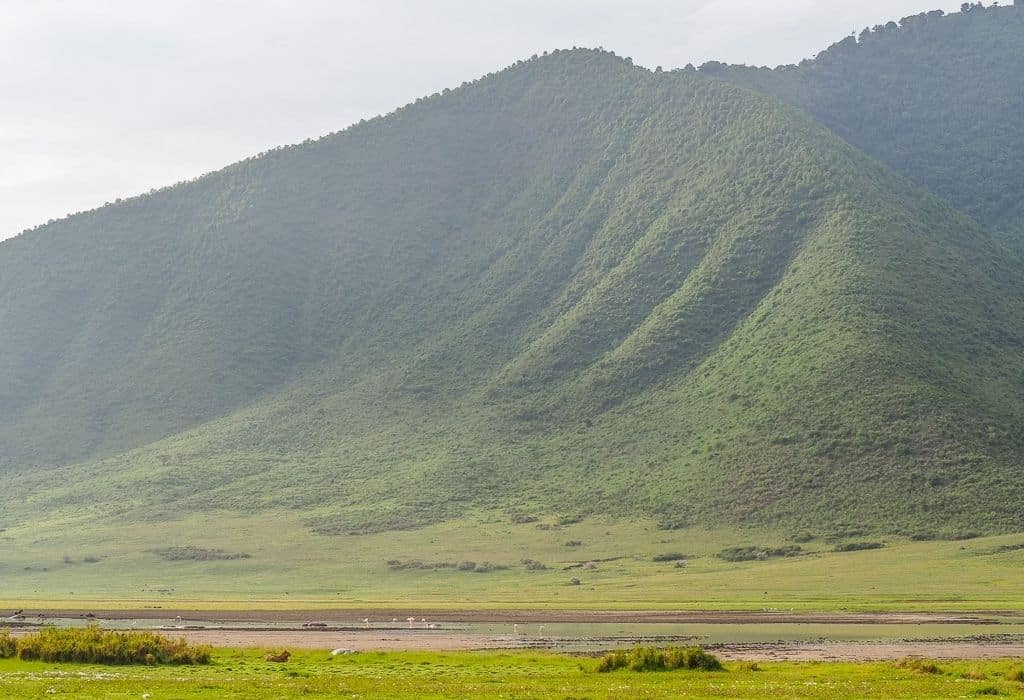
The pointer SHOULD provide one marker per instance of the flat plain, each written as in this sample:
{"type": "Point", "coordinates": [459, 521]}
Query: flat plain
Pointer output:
{"type": "Point", "coordinates": [246, 674]}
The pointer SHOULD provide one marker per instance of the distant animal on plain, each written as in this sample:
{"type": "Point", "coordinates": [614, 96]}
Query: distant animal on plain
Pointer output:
{"type": "Point", "coordinates": [279, 658]}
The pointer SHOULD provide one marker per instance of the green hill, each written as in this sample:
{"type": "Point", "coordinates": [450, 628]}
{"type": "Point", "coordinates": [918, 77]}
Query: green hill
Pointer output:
{"type": "Point", "coordinates": [937, 97]}
{"type": "Point", "coordinates": [573, 288]}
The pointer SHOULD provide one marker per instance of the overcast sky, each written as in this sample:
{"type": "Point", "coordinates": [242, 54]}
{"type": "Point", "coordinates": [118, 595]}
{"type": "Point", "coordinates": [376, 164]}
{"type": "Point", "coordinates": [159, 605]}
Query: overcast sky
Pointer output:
{"type": "Point", "coordinates": [109, 98]}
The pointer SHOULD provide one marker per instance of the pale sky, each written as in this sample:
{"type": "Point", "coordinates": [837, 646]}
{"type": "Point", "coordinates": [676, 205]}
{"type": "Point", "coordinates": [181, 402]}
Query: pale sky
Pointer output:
{"type": "Point", "coordinates": [109, 98]}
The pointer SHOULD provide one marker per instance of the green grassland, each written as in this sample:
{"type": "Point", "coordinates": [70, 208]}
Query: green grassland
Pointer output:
{"type": "Point", "coordinates": [226, 561]}
{"type": "Point", "coordinates": [245, 674]}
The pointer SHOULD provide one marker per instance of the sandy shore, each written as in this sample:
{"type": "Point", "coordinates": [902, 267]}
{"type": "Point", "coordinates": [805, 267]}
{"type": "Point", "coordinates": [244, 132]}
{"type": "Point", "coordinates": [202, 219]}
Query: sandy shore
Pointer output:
{"type": "Point", "coordinates": [346, 630]}
{"type": "Point", "coordinates": [346, 617]}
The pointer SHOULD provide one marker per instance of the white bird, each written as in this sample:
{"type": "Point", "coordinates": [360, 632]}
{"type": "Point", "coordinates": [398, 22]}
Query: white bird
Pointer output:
{"type": "Point", "coordinates": [410, 620]}
{"type": "Point", "coordinates": [515, 628]}
{"type": "Point", "coordinates": [539, 630]}
{"type": "Point", "coordinates": [424, 621]}
{"type": "Point", "coordinates": [366, 622]}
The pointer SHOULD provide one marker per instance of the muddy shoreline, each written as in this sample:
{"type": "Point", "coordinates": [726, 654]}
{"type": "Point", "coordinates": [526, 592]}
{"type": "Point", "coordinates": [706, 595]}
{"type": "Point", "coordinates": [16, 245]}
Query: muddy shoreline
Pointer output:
{"type": "Point", "coordinates": [348, 617]}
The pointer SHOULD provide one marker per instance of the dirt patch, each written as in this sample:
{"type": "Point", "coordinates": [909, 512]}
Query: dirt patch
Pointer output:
{"type": "Point", "coordinates": [341, 618]}
{"type": "Point", "coordinates": [440, 640]}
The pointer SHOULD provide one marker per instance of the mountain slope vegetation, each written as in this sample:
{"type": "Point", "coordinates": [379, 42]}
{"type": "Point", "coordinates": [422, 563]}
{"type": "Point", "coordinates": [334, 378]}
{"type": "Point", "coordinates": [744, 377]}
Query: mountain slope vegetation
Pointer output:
{"type": "Point", "coordinates": [573, 288]}
{"type": "Point", "coordinates": [937, 97]}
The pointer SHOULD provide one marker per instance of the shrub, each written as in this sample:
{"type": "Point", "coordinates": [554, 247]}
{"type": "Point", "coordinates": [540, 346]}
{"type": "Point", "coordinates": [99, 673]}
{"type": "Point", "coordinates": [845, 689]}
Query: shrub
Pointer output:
{"type": "Point", "coordinates": [574, 543]}
{"type": "Point", "coordinates": [986, 690]}
{"type": "Point", "coordinates": [858, 546]}
{"type": "Point", "coordinates": [467, 565]}
{"type": "Point", "coordinates": [8, 645]}
{"type": "Point", "coordinates": [919, 665]}
{"type": "Point", "coordinates": [96, 646]}
{"type": "Point", "coordinates": [671, 556]}
{"type": "Point", "coordinates": [522, 518]}
{"type": "Point", "coordinates": [643, 659]}
{"type": "Point", "coordinates": [487, 567]}
{"type": "Point", "coordinates": [191, 553]}
{"type": "Point", "coordinates": [533, 565]}
{"type": "Point", "coordinates": [752, 553]}
{"type": "Point", "coordinates": [612, 661]}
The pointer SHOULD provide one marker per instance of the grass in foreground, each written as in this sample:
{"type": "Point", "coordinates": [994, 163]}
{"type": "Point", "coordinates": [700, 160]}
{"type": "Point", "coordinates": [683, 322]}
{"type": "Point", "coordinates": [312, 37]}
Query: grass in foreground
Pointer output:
{"type": "Point", "coordinates": [95, 645]}
{"type": "Point", "coordinates": [247, 674]}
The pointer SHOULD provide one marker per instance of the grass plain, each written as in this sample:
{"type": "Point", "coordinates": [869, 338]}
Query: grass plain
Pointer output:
{"type": "Point", "coordinates": [279, 564]}
{"type": "Point", "coordinates": [246, 674]}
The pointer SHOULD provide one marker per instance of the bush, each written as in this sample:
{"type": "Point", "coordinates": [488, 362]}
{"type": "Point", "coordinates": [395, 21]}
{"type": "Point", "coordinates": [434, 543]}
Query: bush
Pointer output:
{"type": "Point", "coordinates": [533, 565]}
{"type": "Point", "coordinates": [919, 665]}
{"type": "Point", "coordinates": [8, 645]}
{"type": "Point", "coordinates": [987, 690]}
{"type": "Point", "coordinates": [487, 567]}
{"type": "Point", "coordinates": [671, 556]}
{"type": "Point", "coordinates": [641, 659]}
{"type": "Point", "coordinates": [96, 646]}
{"type": "Point", "coordinates": [752, 553]}
{"type": "Point", "coordinates": [858, 546]}
{"type": "Point", "coordinates": [191, 553]}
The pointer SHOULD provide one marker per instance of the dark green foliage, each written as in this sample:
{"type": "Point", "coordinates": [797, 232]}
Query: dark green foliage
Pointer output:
{"type": "Point", "coordinates": [938, 98]}
{"type": "Point", "coordinates": [857, 546]}
{"type": "Point", "coordinates": [574, 284]}
{"type": "Point", "coordinates": [96, 646]}
{"type": "Point", "coordinates": [191, 553]}
{"type": "Point", "coordinates": [986, 690]}
{"type": "Point", "coordinates": [653, 659]}
{"type": "Point", "coordinates": [752, 553]}
{"type": "Point", "coordinates": [416, 564]}
{"type": "Point", "coordinates": [670, 556]}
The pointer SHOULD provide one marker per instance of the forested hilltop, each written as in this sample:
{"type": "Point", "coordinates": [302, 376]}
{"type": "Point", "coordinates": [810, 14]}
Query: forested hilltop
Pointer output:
{"type": "Point", "coordinates": [576, 287]}
{"type": "Point", "coordinates": [937, 97]}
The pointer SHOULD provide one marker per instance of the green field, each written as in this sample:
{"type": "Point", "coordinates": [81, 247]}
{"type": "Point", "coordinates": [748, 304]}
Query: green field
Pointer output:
{"type": "Point", "coordinates": [280, 564]}
{"type": "Point", "coordinates": [245, 674]}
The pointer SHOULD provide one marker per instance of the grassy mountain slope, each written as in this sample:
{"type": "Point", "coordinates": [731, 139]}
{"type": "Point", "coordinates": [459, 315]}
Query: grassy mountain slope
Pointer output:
{"type": "Point", "coordinates": [575, 287]}
{"type": "Point", "coordinates": [939, 98]}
